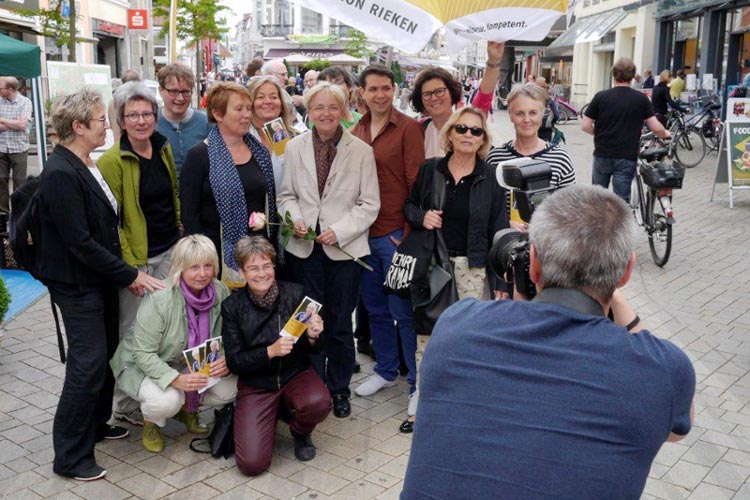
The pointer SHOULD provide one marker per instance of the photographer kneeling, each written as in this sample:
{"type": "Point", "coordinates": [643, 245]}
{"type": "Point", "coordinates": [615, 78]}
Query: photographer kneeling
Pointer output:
{"type": "Point", "coordinates": [549, 397]}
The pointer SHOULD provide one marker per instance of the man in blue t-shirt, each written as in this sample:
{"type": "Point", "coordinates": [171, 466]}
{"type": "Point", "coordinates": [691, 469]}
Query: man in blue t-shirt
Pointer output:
{"type": "Point", "coordinates": [182, 125]}
{"type": "Point", "coordinates": [615, 118]}
{"type": "Point", "coordinates": [550, 398]}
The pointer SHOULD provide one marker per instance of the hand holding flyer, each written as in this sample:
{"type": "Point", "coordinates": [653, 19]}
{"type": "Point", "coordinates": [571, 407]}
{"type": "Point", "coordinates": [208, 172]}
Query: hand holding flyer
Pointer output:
{"type": "Point", "coordinates": [199, 359]}
{"type": "Point", "coordinates": [305, 314]}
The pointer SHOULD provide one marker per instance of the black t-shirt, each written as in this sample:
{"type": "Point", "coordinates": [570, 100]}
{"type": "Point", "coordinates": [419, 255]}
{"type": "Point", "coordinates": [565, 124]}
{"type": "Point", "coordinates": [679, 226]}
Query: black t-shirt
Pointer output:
{"type": "Point", "coordinates": [618, 114]}
{"type": "Point", "coordinates": [456, 213]}
{"type": "Point", "coordinates": [255, 187]}
{"type": "Point", "coordinates": [156, 198]}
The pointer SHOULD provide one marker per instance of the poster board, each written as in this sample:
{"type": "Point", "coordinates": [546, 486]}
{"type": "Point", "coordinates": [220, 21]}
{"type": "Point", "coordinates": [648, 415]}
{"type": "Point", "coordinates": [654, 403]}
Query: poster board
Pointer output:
{"type": "Point", "coordinates": [65, 78]}
{"type": "Point", "coordinates": [733, 162]}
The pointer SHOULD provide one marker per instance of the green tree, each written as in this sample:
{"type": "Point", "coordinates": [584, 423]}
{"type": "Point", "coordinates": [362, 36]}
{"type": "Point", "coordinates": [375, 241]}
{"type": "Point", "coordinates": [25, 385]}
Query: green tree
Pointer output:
{"type": "Point", "coordinates": [61, 29]}
{"type": "Point", "coordinates": [397, 74]}
{"type": "Point", "coordinates": [196, 20]}
{"type": "Point", "coordinates": [357, 45]}
{"type": "Point", "coordinates": [317, 64]}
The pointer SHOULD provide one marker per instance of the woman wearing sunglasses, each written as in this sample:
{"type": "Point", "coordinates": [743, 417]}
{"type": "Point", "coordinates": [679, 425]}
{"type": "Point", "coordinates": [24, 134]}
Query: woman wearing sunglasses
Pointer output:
{"type": "Point", "coordinates": [473, 210]}
{"type": "Point", "coordinates": [526, 104]}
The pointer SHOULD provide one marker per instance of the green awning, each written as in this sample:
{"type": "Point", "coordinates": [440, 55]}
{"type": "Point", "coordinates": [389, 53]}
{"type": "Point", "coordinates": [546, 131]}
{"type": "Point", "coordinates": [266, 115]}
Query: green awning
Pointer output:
{"type": "Point", "coordinates": [19, 59]}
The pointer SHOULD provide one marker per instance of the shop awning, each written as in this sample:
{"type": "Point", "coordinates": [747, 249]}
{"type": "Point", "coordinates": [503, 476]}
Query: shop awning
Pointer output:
{"type": "Point", "coordinates": [418, 62]}
{"type": "Point", "coordinates": [589, 29]}
{"type": "Point", "coordinates": [19, 58]}
{"type": "Point", "coordinates": [312, 53]}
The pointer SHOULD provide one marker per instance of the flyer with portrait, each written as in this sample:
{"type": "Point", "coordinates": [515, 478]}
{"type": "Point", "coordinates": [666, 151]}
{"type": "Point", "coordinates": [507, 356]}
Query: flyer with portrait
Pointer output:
{"type": "Point", "coordinates": [199, 358]}
{"type": "Point", "coordinates": [277, 133]}
{"type": "Point", "coordinates": [297, 324]}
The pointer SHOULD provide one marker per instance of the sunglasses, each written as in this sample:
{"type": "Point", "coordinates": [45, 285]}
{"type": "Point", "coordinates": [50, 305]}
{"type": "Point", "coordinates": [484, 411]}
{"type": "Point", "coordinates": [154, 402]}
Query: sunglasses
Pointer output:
{"type": "Point", "coordinates": [462, 129]}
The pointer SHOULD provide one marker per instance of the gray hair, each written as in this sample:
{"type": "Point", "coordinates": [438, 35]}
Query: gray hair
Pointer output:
{"type": "Point", "coordinates": [530, 90]}
{"type": "Point", "coordinates": [584, 236]}
{"type": "Point", "coordinates": [269, 65]}
{"type": "Point", "coordinates": [188, 251]}
{"type": "Point", "coordinates": [320, 87]}
{"type": "Point", "coordinates": [129, 92]}
{"type": "Point", "coordinates": [76, 107]}
{"type": "Point", "coordinates": [249, 246]}
{"type": "Point", "coordinates": [10, 81]}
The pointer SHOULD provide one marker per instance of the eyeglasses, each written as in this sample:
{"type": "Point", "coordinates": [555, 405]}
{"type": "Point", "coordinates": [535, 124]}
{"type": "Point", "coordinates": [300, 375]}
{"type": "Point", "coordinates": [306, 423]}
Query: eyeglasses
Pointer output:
{"type": "Point", "coordinates": [462, 129]}
{"type": "Point", "coordinates": [283, 75]}
{"type": "Point", "coordinates": [175, 92]}
{"type": "Point", "coordinates": [101, 120]}
{"type": "Point", "coordinates": [330, 109]}
{"type": "Point", "coordinates": [135, 117]}
{"type": "Point", "coordinates": [266, 268]}
{"type": "Point", "coordinates": [426, 96]}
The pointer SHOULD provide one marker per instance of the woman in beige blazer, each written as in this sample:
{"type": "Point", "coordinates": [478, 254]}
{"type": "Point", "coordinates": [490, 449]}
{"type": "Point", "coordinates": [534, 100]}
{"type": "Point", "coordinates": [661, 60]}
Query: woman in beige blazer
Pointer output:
{"type": "Point", "coordinates": [330, 183]}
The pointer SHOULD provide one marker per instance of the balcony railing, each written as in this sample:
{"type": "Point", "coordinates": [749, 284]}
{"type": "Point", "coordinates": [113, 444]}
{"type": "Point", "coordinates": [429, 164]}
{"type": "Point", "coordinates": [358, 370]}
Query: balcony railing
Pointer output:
{"type": "Point", "coordinates": [276, 29]}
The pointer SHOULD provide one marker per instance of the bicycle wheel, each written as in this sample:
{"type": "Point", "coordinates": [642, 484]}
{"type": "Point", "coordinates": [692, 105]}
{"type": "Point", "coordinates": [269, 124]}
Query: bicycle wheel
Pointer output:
{"type": "Point", "coordinates": [690, 148]}
{"type": "Point", "coordinates": [583, 110]}
{"type": "Point", "coordinates": [659, 230]}
{"type": "Point", "coordinates": [564, 116]}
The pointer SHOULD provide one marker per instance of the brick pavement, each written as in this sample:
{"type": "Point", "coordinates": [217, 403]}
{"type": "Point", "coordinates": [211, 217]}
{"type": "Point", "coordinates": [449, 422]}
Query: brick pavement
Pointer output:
{"type": "Point", "coordinates": [700, 301]}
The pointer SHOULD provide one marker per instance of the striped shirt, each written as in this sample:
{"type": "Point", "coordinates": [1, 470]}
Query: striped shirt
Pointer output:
{"type": "Point", "coordinates": [563, 172]}
{"type": "Point", "coordinates": [15, 141]}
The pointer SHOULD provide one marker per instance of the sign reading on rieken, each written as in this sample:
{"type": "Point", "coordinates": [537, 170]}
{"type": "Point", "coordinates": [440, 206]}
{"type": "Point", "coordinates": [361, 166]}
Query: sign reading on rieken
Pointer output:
{"type": "Point", "coordinates": [409, 24]}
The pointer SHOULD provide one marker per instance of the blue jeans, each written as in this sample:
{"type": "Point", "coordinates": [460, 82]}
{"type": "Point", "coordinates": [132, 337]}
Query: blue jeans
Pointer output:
{"type": "Point", "coordinates": [385, 309]}
{"type": "Point", "coordinates": [620, 170]}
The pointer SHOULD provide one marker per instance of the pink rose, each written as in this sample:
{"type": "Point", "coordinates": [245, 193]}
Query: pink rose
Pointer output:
{"type": "Point", "coordinates": [257, 221]}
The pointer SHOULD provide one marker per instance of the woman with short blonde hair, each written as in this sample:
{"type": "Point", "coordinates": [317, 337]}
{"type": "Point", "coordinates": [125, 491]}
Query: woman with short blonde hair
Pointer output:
{"type": "Point", "coordinates": [445, 134]}
{"type": "Point", "coordinates": [149, 364]}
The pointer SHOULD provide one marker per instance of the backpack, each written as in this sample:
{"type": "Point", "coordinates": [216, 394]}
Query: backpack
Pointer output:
{"type": "Point", "coordinates": [24, 229]}
{"type": "Point", "coordinates": [25, 236]}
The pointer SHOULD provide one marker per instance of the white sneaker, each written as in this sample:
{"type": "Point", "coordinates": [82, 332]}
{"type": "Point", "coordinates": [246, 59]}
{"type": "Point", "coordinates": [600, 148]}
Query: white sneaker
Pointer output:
{"type": "Point", "coordinates": [373, 384]}
{"type": "Point", "coordinates": [411, 410]}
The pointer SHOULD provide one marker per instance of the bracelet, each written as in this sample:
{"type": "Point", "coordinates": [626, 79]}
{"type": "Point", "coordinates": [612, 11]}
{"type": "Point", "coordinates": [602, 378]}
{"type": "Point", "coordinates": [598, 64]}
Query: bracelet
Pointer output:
{"type": "Point", "coordinates": [496, 65]}
{"type": "Point", "coordinates": [632, 324]}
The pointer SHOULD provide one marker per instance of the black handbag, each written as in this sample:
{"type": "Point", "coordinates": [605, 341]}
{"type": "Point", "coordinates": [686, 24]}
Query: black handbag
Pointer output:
{"type": "Point", "coordinates": [221, 440]}
{"type": "Point", "coordinates": [433, 295]}
{"type": "Point", "coordinates": [410, 263]}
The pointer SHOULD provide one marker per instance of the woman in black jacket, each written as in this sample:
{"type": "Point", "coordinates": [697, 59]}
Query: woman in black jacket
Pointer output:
{"type": "Point", "coordinates": [274, 372]}
{"type": "Point", "coordinates": [473, 210]}
{"type": "Point", "coordinates": [661, 100]}
{"type": "Point", "coordinates": [80, 261]}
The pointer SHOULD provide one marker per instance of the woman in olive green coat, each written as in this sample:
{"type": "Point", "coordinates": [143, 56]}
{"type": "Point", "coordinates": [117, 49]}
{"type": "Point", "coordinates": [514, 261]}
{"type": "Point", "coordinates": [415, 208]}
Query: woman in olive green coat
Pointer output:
{"type": "Point", "coordinates": [149, 364]}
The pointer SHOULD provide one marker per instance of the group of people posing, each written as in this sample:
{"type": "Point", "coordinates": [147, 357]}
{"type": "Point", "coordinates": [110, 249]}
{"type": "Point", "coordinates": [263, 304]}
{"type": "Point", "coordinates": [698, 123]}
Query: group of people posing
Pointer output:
{"type": "Point", "coordinates": [172, 238]}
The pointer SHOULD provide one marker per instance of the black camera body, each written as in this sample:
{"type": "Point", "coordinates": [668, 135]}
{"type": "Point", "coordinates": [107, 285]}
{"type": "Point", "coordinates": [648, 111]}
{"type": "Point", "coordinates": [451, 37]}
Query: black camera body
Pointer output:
{"type": "Point", "coordinates": [529, 180]}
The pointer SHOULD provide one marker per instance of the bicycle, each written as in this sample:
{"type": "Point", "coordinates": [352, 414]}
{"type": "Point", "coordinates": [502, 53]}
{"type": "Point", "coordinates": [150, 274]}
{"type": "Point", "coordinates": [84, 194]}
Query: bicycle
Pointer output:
{"type": "Point", "coordinates": [566, 110]}
{"type": "Point", "coordinates": [712, 128]}
{"type": "Point", "coordinates": [651, 195]}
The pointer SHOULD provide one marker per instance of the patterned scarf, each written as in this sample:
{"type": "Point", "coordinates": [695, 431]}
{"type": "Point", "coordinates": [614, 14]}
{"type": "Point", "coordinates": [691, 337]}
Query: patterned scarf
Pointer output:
{"type": "Point", "coordinates": [229, 193]}
{"type": "Point", "coordinates": [268, 299]}
{"type": "Point", "coordinates": [325, 152]}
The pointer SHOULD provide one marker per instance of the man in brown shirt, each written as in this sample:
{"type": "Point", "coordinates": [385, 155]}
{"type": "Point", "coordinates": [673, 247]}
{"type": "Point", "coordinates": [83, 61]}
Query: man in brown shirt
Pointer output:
{"type": "Point", "coordinates": [398, 143]}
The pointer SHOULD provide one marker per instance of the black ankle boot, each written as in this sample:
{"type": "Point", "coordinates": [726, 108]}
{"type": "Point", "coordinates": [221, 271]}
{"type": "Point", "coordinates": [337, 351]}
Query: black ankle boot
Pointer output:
{"type": "Point", "coordinates": [304, 449]}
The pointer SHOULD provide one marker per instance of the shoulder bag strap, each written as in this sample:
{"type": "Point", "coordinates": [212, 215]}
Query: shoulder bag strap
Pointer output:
{"type": "Point", "coordinates": [438, 199]}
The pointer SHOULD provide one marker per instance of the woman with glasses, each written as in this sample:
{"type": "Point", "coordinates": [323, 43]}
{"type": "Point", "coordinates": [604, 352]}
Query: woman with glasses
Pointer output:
{"type": "Point", "coordinates": [331, 184]}
{"type": "Point", "coordinates": [526, 104]}
{"type": "Point", "coordinates": [141, 173]}
{"type": "Point", "coordinates": [473, 210]}
{"type": "Point", "coordinates": [275, 373]}
{"type": "Point", "coordinates": [341, 77]}
{"type": "Point", "coordinates": [81, 265]}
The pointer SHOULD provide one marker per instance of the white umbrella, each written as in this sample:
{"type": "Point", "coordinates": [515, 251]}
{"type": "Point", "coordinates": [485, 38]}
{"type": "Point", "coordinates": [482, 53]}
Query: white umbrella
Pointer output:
{"type": "Point", "coordinates": [345, 59]}
{"type": "Point", "coordinates": [409, 24]}
{"type": "Point", "coordinates": [297, 59]}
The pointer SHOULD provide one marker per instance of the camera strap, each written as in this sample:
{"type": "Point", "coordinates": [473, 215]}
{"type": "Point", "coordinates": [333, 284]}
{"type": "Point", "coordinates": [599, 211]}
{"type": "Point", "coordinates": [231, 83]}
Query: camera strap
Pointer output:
{"type": "Point", "coordinates": [570, 298]}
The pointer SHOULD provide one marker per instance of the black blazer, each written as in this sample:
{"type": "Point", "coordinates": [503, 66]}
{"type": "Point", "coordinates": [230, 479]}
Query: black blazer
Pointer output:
{"type": "Point", "coordinates": [248, 330]}
{"type": "Point", "coordinates": [199, 212]}
{"type": "Point", "coordinates": [80, 240]}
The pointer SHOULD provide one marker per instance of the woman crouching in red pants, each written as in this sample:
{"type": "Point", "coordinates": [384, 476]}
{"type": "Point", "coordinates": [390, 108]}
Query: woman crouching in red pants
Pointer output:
{"type": "Point", "coordinates": [273, 371]}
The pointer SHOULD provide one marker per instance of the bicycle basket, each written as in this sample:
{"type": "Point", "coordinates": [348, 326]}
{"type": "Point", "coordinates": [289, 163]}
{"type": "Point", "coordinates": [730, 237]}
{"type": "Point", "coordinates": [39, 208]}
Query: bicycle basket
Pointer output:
{"type": "Point", "coordinates": [663, 175]}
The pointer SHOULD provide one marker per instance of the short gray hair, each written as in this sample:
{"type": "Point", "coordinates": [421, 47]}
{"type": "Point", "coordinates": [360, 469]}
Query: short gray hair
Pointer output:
{"type": "Point", "coordinates": [530, 90]}
{"type": "Point", "coordinates": [188, 251]}
{"type": "Point", "coordinates": [249, 246]}
{"type": "Point", "coordinates": [129, 92]}
{"type": "Point", "coordinates": [320, 87]}
{"type": "Point", "coordinates": [584, 236]}
{"type": "Point", "coordinates": [76, 107]}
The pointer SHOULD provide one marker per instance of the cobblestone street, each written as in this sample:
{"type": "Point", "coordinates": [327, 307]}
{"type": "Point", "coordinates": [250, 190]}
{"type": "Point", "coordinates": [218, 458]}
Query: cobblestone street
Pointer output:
{"type": "Point", "coordinates": [700, 300]}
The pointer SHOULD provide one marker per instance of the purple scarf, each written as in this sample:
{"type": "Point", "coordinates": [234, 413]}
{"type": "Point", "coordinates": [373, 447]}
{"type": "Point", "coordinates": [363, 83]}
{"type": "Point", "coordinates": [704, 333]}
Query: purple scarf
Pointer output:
{"type": "Point", "coordinates": [198, 311]}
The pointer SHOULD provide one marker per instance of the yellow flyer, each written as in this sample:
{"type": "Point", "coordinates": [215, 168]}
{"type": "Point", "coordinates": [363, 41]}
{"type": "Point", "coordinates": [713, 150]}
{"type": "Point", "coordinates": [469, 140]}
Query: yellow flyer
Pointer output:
{"type": "Point", "coordinates": [297, 324]}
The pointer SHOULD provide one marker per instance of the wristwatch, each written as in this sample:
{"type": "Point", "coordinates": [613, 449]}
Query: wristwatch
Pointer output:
{"type": "Point", "coordinates": [490, 65]}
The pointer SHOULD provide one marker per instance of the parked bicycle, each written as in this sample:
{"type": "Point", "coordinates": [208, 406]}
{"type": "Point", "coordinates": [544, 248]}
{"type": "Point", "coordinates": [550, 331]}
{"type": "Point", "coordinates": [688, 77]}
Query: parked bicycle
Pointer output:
{"type": "Point", "coordinates": [689, 135]}
{"type": "Point", "coordinates": [712, 128]}
{"type": "Point", "coordinates": [566, 110]}
{"type": "Point", "coordinates": [651, 194]}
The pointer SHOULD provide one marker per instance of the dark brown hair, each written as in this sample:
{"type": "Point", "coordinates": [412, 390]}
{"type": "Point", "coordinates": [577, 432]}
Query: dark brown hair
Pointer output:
{"type": "Point", "coordinates": [624, 70]}
{"type": "Point", "coordinates": [375, 69]}
{"type": "Point", "coordinates": [430, 74]}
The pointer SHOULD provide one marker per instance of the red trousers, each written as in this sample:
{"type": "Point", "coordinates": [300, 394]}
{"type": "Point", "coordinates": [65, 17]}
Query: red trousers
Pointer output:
{"type": "Point", "coordinates": [257, 410]}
